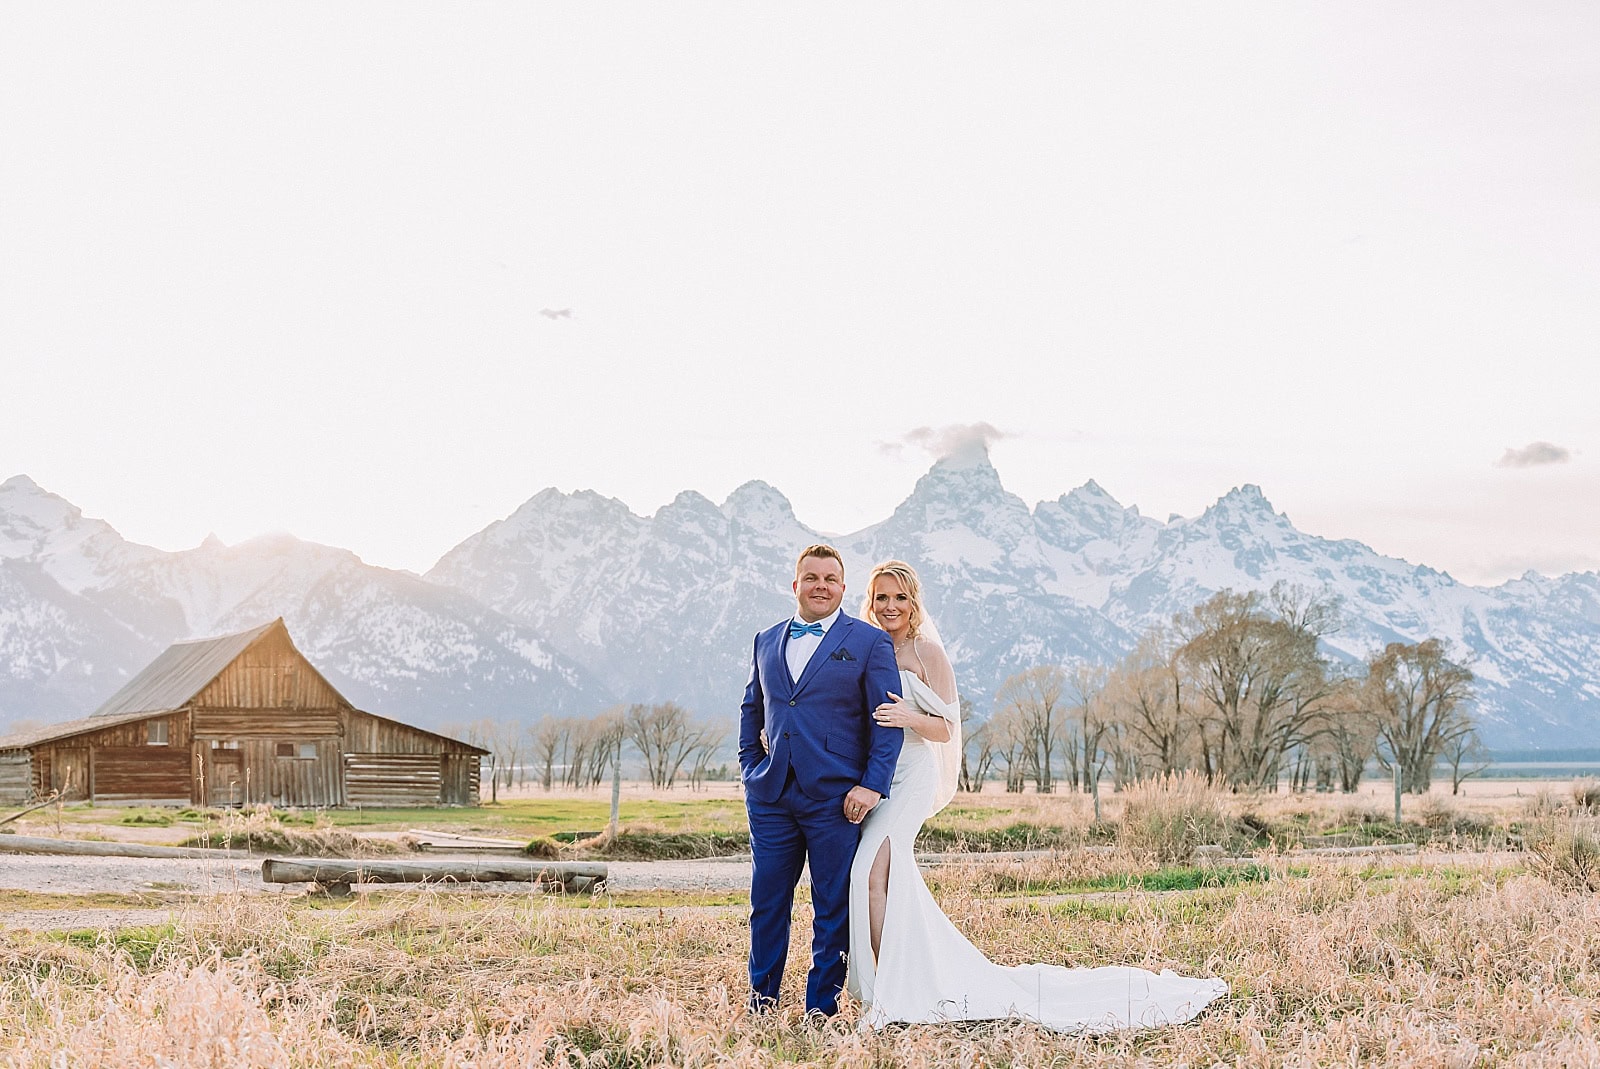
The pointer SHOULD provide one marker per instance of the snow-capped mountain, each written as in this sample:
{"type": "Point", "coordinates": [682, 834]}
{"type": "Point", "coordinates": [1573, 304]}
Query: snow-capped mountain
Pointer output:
{"type": "Point", "coordinates": [574, 601]}
{"type": "Point", "coordinates": [666, 606]}
{"type": "Point", "coordinates": [82, 610]}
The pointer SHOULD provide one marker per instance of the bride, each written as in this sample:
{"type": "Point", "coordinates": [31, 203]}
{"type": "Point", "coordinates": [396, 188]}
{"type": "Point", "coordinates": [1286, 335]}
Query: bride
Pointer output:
{"type": "Point", "coordinates": [908, 963]}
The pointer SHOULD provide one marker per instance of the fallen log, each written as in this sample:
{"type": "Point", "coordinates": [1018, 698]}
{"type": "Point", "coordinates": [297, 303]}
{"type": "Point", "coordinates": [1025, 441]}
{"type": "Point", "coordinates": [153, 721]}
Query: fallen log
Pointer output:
{"type": "Point", "coordinates": [29, 844]}
{"type": "Point", "coordinates": [336, 875]}
{"type": "Point", "coordinates": [448, 842]}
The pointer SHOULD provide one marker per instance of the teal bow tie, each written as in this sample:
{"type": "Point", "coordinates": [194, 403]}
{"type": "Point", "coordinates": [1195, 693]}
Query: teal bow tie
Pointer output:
{"type": "Point", "coordinates": [797, 629]}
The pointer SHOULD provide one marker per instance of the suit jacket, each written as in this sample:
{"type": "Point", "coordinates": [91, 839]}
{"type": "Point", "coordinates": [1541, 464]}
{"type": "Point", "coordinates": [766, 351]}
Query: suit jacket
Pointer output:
{"type": "Point", "coordinates": [821, 725]}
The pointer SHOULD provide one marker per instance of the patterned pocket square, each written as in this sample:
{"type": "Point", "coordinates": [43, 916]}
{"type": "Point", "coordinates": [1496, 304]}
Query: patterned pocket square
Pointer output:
{"type": "Point", "coordinates": [841, 655]}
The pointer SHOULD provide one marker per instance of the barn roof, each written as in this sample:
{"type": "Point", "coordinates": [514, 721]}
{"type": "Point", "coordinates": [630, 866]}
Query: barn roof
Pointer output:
{"type": "Point", "coordinates": [21, 740]}
{"type": "Point", "coordinates": [180, 673]}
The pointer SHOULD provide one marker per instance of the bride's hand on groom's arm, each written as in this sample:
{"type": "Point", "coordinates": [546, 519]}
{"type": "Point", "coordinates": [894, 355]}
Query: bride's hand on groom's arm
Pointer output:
{"type": "Point", "coordinates": [859, 802]}
{"type": "Point", "coordinates": [897, 713]}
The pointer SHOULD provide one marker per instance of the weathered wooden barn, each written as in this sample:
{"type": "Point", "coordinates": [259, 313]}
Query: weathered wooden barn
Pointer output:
{"type": "Point", "coordinates": [237, 720]}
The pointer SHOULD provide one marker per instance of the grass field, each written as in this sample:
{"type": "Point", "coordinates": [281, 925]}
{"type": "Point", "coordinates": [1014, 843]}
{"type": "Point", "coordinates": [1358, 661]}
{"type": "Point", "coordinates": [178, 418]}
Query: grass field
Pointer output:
{"type": "Point", "coordinates": [1421, 964]}
{"type": "Point", "coordinates": [1461, 955]}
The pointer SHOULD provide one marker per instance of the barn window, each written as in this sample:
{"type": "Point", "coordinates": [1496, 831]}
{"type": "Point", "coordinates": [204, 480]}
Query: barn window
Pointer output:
{"type": "Point", "coordinates": [224, 744]}
{"type": "Point", "coordinates": [157, 733]}
{"type": "Point", "coordinates": [296, 749]}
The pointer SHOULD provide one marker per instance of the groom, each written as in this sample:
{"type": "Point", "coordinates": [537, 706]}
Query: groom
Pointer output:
{"type": "Point", "coordinates": [814, 681]}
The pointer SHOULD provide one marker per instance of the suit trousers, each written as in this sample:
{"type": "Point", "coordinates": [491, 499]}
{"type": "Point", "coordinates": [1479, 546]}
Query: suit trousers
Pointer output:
{"type": "Point", "coordinates": [784, 836]}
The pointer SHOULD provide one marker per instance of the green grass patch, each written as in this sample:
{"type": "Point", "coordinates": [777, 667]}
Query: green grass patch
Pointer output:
{"type": "Point", "coordinates": [55, 900]}
{"type": "Point", "coordinates": [1169, 878]}
{"type": "Point", "coordinates": [141, 945]}
{"type": "Point", "coordinates": [149, 817]}
{"type": "Point", "coordinates": [650, 845]}
{"type": "Point", "coordinates": [945, 835]}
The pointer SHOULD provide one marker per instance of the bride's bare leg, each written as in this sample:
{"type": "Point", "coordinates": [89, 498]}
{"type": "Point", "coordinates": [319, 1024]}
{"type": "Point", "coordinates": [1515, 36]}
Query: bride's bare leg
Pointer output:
{"type": "Point", "coordinates": [878, 895]}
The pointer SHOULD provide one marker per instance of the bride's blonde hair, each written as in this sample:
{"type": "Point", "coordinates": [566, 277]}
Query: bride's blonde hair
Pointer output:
{"type": "Point", "coordinates": [897, 569]}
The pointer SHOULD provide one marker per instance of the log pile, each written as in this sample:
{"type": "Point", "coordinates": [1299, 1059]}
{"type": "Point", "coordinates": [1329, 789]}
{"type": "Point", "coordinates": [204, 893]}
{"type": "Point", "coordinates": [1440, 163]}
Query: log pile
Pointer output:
{"type": "Point", "coordinates": [335, 876]}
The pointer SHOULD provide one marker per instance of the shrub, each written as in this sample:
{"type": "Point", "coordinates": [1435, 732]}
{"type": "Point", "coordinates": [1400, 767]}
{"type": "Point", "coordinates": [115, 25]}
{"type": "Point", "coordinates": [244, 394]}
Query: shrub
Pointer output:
{"type": "Point", "coordinates": [1168, 818]}
{"type": "Point", "coordinates": [1565, 851]}
{"type": "Point", "coordinates": [1586, 794]}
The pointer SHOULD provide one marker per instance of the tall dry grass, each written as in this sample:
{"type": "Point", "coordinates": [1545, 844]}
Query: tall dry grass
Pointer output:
{"type": "Point", "coordinates": [1408, 965]}
{"type": "Point", "coordinates": [1171, 817]}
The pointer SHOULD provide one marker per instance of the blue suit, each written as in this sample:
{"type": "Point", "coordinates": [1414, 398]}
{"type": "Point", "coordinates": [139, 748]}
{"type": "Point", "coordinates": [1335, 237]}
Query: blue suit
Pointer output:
{"type": "Point", "coordinates": [823, 741]}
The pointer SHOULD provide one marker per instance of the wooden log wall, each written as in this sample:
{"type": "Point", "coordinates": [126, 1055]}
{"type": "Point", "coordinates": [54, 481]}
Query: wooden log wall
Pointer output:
{"type": "Point", "coordinates": [16, 778]}
{"type": "Point", "coordinates": [460, 779]}
{"type": "Point", "coordinates": [159, 775]}
{"type": "Point", "coordinates": [118, 763]}
{"type": "Point", "coordinates": [392, 779]}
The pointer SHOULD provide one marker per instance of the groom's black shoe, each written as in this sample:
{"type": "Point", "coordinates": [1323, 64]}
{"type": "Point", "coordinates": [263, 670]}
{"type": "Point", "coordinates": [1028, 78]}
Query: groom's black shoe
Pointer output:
{"type": "Point", "coordinates": [761, 1004]}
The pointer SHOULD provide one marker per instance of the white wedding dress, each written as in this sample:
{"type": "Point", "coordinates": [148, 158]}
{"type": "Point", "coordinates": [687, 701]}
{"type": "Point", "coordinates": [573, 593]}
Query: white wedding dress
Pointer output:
{"type": "Point", "coordinates": [927, 971]}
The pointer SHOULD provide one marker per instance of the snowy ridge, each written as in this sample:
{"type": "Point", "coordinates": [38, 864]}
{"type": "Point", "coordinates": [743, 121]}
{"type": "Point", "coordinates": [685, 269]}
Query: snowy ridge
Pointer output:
{"type": "Point", "coordinates": [573, 601]}
{"type": "Point", "coordinates": [82, 610]}
{"type": "Point", "coordinates": [1077, 578]}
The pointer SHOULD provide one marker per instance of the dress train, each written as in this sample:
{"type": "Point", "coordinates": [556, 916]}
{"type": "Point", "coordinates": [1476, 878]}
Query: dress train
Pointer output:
{"type": "Point", "coordinates": [928, 972]}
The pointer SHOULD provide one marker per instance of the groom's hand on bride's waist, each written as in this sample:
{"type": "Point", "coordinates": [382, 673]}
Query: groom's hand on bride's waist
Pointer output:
{"type": "Point", "coordinates": [859, 802]}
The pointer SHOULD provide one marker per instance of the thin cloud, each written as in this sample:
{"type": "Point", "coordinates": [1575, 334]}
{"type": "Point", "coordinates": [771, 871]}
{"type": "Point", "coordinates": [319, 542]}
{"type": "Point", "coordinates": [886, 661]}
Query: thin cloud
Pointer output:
{"type": "Point", "coordinates": [947, 440]}
{"type": "Point", "coordinates": [1533, 455]}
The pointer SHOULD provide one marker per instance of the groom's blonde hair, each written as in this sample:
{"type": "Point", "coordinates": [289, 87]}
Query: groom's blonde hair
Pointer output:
{"type": "Point", "coordinates": [897, 569]}
{"type": "Point", "coordinates": [821, 550]}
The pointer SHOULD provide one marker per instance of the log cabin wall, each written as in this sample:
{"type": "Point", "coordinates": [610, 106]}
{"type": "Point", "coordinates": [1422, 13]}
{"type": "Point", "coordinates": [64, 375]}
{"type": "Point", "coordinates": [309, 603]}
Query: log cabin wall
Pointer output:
{"type": "Point", "coordinates": [120, 763]}
{"type": "Point", "coordinates": [392, 764]}
{"type": "Point", "coordinates": [16, 778]}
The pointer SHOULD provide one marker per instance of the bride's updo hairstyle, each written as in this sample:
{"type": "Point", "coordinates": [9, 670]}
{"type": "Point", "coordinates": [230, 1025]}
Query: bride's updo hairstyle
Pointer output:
{"type": "Point", "coordinates": [897, 569]}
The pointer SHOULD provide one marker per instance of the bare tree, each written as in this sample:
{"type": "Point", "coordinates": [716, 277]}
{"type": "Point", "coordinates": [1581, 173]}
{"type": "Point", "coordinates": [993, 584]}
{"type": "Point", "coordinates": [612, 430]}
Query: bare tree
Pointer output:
{"type": "Point", "coordinates": [1421, 697]}
{"type": "Point", "coordinates": [1466, 755]}
{"type": "Point", "coordinates": [977, 749]}
{"type": "Point", "coordinates": [547, 740]}
{"type": "Point", "coordinates": [1347, 737]}
{"type": "Point", "coordinates": [705, 751]}
{"type": "Point", "coordinates": [1144, 693]}
{"type": "Point", "coordinates": [1092, 728]}
{"type": "Point", "coordinates": [665, 736]}
{"type": "Point", "coordinates": [1034, 698]}
{"type": "Point", "coordinates": [610, 732]}
{"type": "Point", "coordinates": [590, 742]}
{"type": "Point", "coordinates": [1260, 680]}
{"type": "Point", "coordinates": [1009, 740]}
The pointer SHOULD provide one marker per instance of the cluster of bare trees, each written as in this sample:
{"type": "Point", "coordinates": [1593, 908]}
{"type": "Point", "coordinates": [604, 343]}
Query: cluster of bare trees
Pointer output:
{"type": "Point", "coordinates": [580, 751]}
{"type": "Point", "coordinates": [672, 742]}
{"type": "Point", "coordinates": [1239, 689]}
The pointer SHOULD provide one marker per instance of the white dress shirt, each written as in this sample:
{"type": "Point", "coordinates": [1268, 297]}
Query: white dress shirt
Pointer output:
{"type": "Point", "coordinates": [800, 649]}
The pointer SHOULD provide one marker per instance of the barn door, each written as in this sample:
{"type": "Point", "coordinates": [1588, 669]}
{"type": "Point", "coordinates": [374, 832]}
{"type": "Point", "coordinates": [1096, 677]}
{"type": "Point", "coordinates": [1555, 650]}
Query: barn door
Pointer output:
{"type": "Point", "coordinates": [224, 777]}
{"type": "Point", "coordinates": [69, 773]}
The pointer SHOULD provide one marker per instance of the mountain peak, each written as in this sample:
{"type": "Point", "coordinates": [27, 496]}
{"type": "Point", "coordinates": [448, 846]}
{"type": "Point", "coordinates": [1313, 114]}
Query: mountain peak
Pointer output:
{"type": "Point", "coordinates": [1092, 494]}
{"type": "Point", "coordinates": [757, 500]}
{"type": "Point", "coordinates": [29, 512]}
{"type": "Point", "coordinates": [1242, 502]}
{"type": "Point", "coordinates": [969, 455]}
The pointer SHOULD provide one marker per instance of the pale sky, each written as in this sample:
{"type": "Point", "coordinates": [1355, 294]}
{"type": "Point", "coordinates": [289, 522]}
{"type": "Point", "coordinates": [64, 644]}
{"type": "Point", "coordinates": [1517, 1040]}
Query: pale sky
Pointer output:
{"type": "Point", "coordinates": [281, 267]}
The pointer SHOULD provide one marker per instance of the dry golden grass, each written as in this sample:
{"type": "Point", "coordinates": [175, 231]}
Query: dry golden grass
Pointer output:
{"type": "Point", "coordinates": [1430, 962]}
